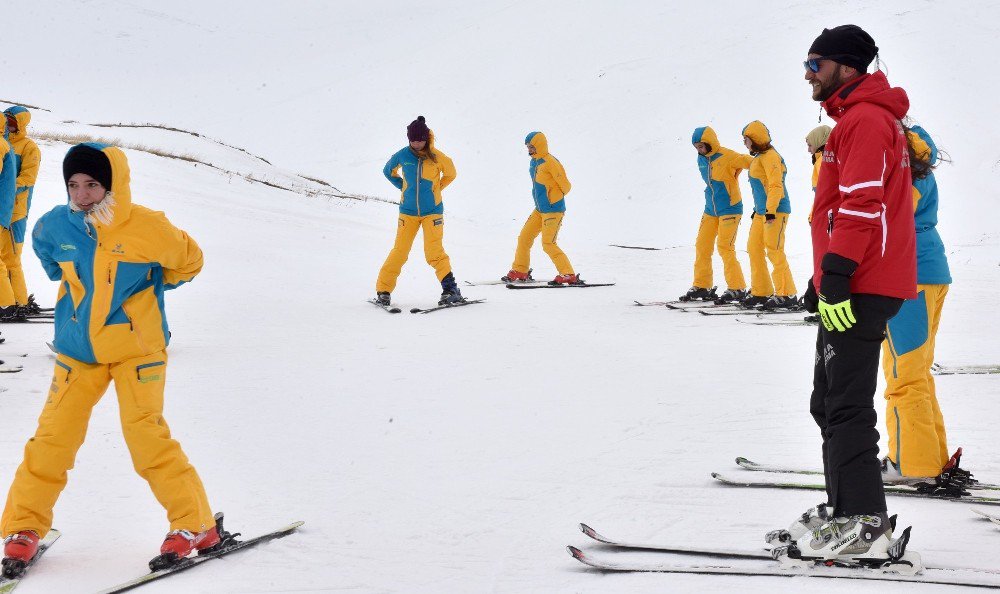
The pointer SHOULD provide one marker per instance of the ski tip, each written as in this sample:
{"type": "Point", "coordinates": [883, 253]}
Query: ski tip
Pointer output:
{"type": "Point", "coordinates": [741, 461]}
{"type": "Point", "coordinates": [589, 531]}
{"type": "Point", "coordinates": [575, 553]}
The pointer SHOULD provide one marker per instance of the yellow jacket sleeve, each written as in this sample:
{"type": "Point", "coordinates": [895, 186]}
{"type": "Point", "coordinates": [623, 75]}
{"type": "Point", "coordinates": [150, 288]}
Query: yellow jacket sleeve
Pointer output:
{"type": "Point", "coordinates": [774, 183]}
{"type": "Point", "coordinates": [29, 165]}
{"type": "Point", "coordinates": [181, 258]}
{"type": "Point", "coordinates": [741, 161]}
{"type": "Point", "coordinates": [447, 166]}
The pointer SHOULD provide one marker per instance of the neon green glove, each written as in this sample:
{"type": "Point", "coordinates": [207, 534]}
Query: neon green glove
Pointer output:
{"type": "Point", "coordinates": [836, 316]}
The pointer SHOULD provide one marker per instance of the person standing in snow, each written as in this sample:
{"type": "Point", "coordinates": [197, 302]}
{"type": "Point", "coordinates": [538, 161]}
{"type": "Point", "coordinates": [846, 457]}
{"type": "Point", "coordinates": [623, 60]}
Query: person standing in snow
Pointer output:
{"type": "Point", "coordinates": [918, 444]}
{"type": "Point", "coordinates": [864, 266]}
{"type": "Point", "coordinates": [815, 143]}
{"type": "Point", "coordinates": [27, 158]}
{"type": "Point", "coordinates": [421, 171]}
{"type": "Point", "coordinates": [720, 168]}
{"type": "Point", "coordinates": [113, 260]}
{"type": "Point", "coordinates": [9, 311]}
{"type": "Point", "coordinates": [549, 186]}
{"type": "Point", "coordinates": [768, 223]}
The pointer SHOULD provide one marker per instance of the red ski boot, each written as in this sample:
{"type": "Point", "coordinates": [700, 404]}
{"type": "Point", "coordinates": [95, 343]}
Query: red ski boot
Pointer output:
{"type": "Point", "coordinates": [21, 545]}
{"type": "Point", "coordinates": [517, 277]}
{"type": "Point", "coordinates": [182, 542]}
{"type": "Point", "coordinates": [567, 279]}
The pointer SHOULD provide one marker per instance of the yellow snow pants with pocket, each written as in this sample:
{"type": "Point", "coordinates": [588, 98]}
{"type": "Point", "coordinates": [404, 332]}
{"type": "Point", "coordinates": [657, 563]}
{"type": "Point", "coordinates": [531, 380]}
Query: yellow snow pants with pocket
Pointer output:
{"type": "Point", "coordinates": [406, 232]}
{"type": "Point", "coordinates": [918, 443]}
{"type": "Point", "coordinates": [50, 454]}
{"type": "Point", "coordinates": [547, 225]}
{"type": "Point", "coordinates": [721, 232]}
{"type": "Point", "coordinates": [768, 239]}
{"type": "Point", "coordinates": [10, 269]}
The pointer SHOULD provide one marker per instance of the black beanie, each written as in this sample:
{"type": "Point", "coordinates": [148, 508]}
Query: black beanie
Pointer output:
{"type": "Point", "coordinates": [417, 130]}
{"type": "Point", "coordinates": [87, 159]}
{"type": "Point", "coordinates": [849, 45]}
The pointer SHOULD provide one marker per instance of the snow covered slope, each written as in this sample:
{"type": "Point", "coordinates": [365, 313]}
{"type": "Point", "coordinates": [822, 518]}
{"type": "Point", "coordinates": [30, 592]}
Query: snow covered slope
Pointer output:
{"type": "Point", "coordinates": [455, 452]}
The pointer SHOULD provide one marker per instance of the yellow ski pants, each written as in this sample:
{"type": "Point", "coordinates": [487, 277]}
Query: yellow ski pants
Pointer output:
{"type": "Point", "coordinates": [547, 225]}
{"type": "Point", "coordinates": [720, 231]}
{"type": "Point", "coordinates": [50, 454]}
{"type": "Point", "coordinates": [12, 287]}
{"type": "Point", "coordinates": [769, 239]}
{"type": "Point", "coordinates": [406, 232]}
{"type": "Point", "coordinates": [918, 443]}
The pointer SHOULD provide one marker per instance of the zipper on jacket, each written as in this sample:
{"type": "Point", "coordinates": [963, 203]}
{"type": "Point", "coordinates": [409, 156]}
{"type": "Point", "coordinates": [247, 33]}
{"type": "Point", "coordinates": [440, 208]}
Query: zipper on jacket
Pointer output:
{"type": "Point", "coordinates": [420, 163]}
{"type": "Point", "coordinates": [829, 222]}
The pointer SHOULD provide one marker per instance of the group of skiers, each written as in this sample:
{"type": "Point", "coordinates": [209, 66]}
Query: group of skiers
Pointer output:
{"type": "Point", "coordinates": [879, 276]}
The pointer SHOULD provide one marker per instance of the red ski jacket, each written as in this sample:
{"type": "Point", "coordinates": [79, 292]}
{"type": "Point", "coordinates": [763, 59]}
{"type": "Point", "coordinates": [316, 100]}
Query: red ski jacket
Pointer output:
{"type": "Point", "coordinates": [863, 209]}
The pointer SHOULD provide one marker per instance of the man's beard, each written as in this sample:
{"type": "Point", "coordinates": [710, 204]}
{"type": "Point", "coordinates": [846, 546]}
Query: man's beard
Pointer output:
{"type": "Point", "coordinates": [825, 91]}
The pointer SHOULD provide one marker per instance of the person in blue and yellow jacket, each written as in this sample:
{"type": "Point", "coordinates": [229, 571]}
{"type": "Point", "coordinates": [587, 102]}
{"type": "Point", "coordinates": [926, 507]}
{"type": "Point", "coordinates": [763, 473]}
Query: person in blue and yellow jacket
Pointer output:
{"type": "Point", "coordinates": [815, 143]}
{"type": "Point", "coordinates": [421, 171]}
{"type": "Point", "coordinates": [720, 169]}
{"type": "Point", "coordinates": [8, 191]}
{"type": "Point", "coordinates": [27, 158]}
{"type": "Point", "coordinates": [549, 186]}
{"type": "Point", "coordinates": [918, 444]}
{"type": "Point", "coordinates": [113, 261]}
{"type": "Point", "coordinates": [770, 219]}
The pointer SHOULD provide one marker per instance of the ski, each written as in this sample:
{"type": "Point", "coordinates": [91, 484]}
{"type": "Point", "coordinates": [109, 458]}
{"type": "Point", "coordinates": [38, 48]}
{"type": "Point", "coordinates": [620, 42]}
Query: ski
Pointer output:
{"type": "Point", "coordinates": [559, 286]}
{"type": "Point", "coordinates": [503, 282]}
{"type": "Point", "coordinates": [389, 308]}
{"type": "Point", "coordinates": [608, 562]}
{"type": "Point", "coordinates": [754, 466]}
{"type": "Point", "coordinates": [650, 303]}
{"type": "Point", "coordinates": [700, 305]}
{"type": "Point", "coordinates": [897, 490]}
{"type": "Point", "coordinates": [14, 571]}
{"type": "Point", "coordinates": [417, 310]}
{"type": "Point", "coordinates": [10, 367]}
{"type": "Point", "coordinates": [230, 546]}
{"type": "Point", "coordinates": [635, 247]}
{"type": "Point", "coordinates": [677, 550]}
{"type": "Point", "coordinates": [991, 517]}
{"type": "Point", "coordinates": [757, 312]}
{"type": "Point", "coordinates": [759, 322]}
{"type": "Point", "coordinates": [938, 369]}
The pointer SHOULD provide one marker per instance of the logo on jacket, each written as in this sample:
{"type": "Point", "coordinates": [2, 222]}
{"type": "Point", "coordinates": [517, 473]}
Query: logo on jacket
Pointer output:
{"type": "Point", "coordinates": [118, 249]}
{"type": "Point", "coordinates": [67, 246]}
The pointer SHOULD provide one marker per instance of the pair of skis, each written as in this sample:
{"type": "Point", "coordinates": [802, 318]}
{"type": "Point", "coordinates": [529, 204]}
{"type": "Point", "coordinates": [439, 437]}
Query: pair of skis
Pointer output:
{"type": "Point", "coordinates": [761, 563]}
{"type": "Point", "coordinates": [229, 545]}
{"type": "Point", "coordinates": [538, 284]}
{"type": "Point", "coordinates": [416, 310]}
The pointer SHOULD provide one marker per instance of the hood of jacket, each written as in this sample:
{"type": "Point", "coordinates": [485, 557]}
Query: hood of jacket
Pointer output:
{"type": "Point", "coordinates": [870, 88]}
{"type": "Point", "coordinates": [120, 181]}
{"type": "Point", "coordinates": [707, 135]}
{"type": "Point", "coordinates": [758, 133]}
{"type": "Point", "coordinates": [23, 117]}
{"type": "Point", "coordinates": [541, 144]}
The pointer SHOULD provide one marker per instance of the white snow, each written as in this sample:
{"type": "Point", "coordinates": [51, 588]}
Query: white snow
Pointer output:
{"type": "Point", "coordinates": [456, 452]}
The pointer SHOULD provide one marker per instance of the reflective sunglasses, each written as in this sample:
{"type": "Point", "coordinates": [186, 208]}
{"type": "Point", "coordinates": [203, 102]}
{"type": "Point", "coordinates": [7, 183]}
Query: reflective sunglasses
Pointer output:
{"type": "Point", "coordinates": [812, 64]}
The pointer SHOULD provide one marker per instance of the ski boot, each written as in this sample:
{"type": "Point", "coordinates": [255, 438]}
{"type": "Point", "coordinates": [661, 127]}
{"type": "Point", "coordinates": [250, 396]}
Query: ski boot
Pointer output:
{"type": "Point", "coordinates": [180, 543]}
{"type": "Point", "coordinates": [566, 279]}
{"type": "Point", "coordinates": [753, 301]}
{"type": "Point", "coordinates": [952, 482]}
{"type": "Point", "coordinates": [695, 293]}
{"type": "Point", "coordinates": [892, 475]}
{"type": "Point", "coordinates": [18, 550]}
{"type": "Point", "coordinates": [856, 541]}
{"type": "Point", "coordinates": [383, 298]}
{"type": "Point", "coordinates": [731, 296]}
{"type": "Point", "coordinates": [517, 277]}
{"type": "Point", "coordinates": [32, 306]}
{"type": "Point", "coordinates": [812, 519]}
{"type": "Point", "coordinates": [12, 313]}
{"type": "Point", "coordinates": [450, 294]}
{"type": "Point", "coordinates": [774, 302]}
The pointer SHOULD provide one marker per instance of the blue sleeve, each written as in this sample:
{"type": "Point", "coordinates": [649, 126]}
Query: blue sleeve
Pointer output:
{"type": "Point", "coordinates": [43, 249]}
{"type": "Point", "coordinates": [387, 171]}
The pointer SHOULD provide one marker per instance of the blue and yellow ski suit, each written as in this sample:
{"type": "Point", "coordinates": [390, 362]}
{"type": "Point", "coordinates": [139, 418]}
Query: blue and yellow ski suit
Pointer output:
{"type": "Point", "coordinates": [421, 178]}
{"type": "Point", "coordinates": [26, 161]}
{"type": "Point", "coordinates": [771, 211]}
{"type": "Point", "coordinates": [918, 443]}
{"type": "Point", "coordinates": [110, 325]}
{"type": "Point", "coordinates": [720, 221]}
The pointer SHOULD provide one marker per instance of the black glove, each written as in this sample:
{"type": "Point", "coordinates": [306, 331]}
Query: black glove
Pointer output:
{"type": "Point", "coordinates": [810, 301]}
{"type": "Point", "coordinates": [753, 213]}
{"type": "Point", "coordinates": [768, 217]}
{"type": "Point", "coordinates": [837, 272]}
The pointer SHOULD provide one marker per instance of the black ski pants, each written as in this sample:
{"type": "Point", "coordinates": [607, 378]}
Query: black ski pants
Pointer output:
{"type": "Point", "coordinates": [843, 405]}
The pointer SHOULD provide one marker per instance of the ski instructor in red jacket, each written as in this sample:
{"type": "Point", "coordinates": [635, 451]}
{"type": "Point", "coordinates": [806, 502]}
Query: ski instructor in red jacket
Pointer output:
{"type": "Point", "coordinates": [864, 266]}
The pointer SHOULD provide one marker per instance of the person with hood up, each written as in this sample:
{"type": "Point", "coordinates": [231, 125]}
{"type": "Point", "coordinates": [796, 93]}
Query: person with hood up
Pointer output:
{"type": "Point", "coordinates": [815, 143]}
{"type": "Point", "coordinates": [421, 171]}
{"type": "Point", "coordinates": [918, 444]}
{"type": "Point", "coordinates": [113, 260]}
{"type": "Point", "coordinates": [549, 186]}
{"type": "Point", "coordinates": [768, 223]}
{"type": "Point", "coordinates": [27, 158]}
{"type": "Point", "coordinates": [864, 267]}
{"type": "Point", "coordinates": [9, 311]}
{"type": "Point", "coordinates": [720, 168]}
